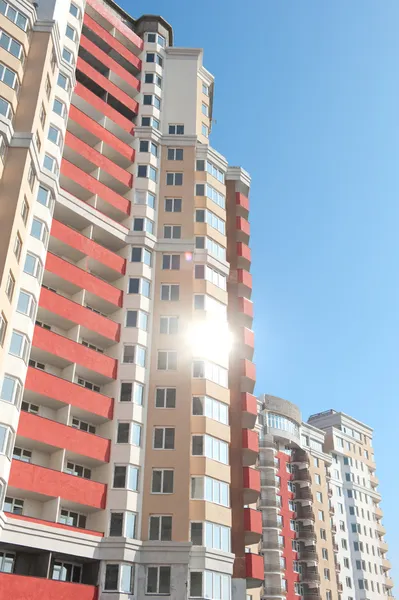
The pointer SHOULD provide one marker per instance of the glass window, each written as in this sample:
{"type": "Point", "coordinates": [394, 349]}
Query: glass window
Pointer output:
{"type": "Point", "coordinates": [9, 77]}
{"type": "Point", "coordinates": [11, 390]}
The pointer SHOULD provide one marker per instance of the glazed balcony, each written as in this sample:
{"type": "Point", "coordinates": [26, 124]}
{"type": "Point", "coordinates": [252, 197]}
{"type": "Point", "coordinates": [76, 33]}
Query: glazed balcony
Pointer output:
{"type": "Point", "coordinates": [254, 570]}
{"type": "Point", "coordinates": [242, 230]}
{"type": "Point", "coordinates": [252, 526]}
{"type": "Point", "coordinates": [49, 390]}
{"type": "Point", "coordinates": [250, 447]}
{"type": "Point", "coordinates": [249, 410]}
{"type": "Point", "coordinates": [38, 588]}
{"type": "Point", "coordinates": [251, 485]}
{"type": "Point", "coordinates": [242, 205]}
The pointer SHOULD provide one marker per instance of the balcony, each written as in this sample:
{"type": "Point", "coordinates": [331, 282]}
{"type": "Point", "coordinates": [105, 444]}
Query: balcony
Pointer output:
{"type": "Point", "coordinates": [302, 475]}
{"type": "Point", "coordinates": [270, 502]}
{"type": "Point", "coordinates": [46, 389]}
{"type": "Point", "coordinates": [38, 588]}
{"type": "Point", "coordinates": [310, 575]}
{"type": "Point", "coordinates": [308, 556]}
{"type": "Point", "coordinates": [61, 351]}
{"type": "Point", "coordinates": [300, 457]}
{"type": "Point", "coordinates": [71, 528]}
{"type": "Point", "coordinates": [335, 548]}
{"type": "Point", "coordinates": [306, 534]}
{"type": "Point", "coordinates": [56, 435]}
{"type": "Point", "coordinates": [102, 15]}
{"type": "Point", "coordinates": [374, 481]}
{"type": "Point", "coordinates": [267, 443]}
{"type": "Point", "coordinates": [254, 570]}
{"type": "Point", "coordinates": [245, 312]}
{"type": "Point", "coordinates": [251, 485]}
{"type": "Point", "coordinates": [273, 592]}
{"type": "Point", "coordinates": [269, 479]}
{"type": "Point", "coordinates": [388, 582]}
{"type": "Point", "coordinates": [331, 509]}
{"type": "Point", "coordinates": [249, 410]}
{"type": "Point", "coordinates": [60, 274]}
{"type": "Point", "coordinates": [250, 447]}
{"type": "Point", "coordinates": [52, 484]}
{"type": "Point", "coordinates": [303, 493]}
{"type": "Point", "coordinates": [312, 594]}
{"type": "Point", "coordinates": [58, 311]}
{"type": "Point", "coordinates": [248, 376]}
{"type": "Point", "coordinates": [252, 526]}
{"type": "Point", "coordinates": [242, 230]}
{"type": "Point", "coordinates": [383, 546]}
{"type": "Point", "coordinates": [242, 205]}
{"type": "Point", "coordinates": [380, 528]}
{"type": "Point", "coordinates": [305, 513]}
{"type": "Point", "coordinates": [386, 564]}
{"type": "Point", "coordinates": [244, 281]}
{"type": "Point", "coordinates": [378, 512]}
{"type": "Point", "coordinates": [269, 523]}
{"type": "Point", "coordinates": [243, 256]}
{"type": "Point", "coordinates": [246, 343]}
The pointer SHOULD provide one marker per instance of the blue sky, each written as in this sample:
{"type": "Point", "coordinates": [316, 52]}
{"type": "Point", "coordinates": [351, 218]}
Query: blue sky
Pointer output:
{"type": "Point", "coordinates": [307, 100]}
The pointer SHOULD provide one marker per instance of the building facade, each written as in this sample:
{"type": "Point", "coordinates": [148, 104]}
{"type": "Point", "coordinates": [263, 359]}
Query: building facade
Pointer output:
{"type": "Point", "coordinates": [322, 533]}
{"type": "Point", "coordinates": [127, 450]}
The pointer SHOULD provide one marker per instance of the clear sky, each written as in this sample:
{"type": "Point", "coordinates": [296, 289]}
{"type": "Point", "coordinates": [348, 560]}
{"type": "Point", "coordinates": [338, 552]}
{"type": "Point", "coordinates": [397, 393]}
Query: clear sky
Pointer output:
{"type": "Point", "coordinates": [307, 100]}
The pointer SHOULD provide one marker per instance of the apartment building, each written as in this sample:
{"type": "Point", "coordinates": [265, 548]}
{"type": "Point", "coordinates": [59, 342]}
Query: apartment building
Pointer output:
{"type": "Point", "coordinates": [322, 535]}
{"type": "Point", "coordinates": [127, 448]}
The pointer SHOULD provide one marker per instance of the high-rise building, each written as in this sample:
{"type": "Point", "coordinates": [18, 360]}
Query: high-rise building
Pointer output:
{"type": "Point", "coordinates": [322, 533]}
{"type": "Point", "coordinates": [126, 442]}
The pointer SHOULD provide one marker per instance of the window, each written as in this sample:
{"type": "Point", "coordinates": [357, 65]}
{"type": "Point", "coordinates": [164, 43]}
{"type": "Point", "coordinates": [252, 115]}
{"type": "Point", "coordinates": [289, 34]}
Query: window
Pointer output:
{"type": "Point", "coordinates": [152, 100]}
{"type": "Point", "coordinates": [172, 232]}
{"type": "Point", "coordinates": [70, 33]}
{"type": "Point", "coordinates": [19, 345]}
{"type": "Point", "coordinates": [54, 135]}
{"type": "Point", "coordinates": [122, 524]}
{"type": "Point", "coordinates": [344, 544]}
{"type": "Point", "coordinates": [63, 82]}
{"type": "Point", "coordinates": [211, 408]}
{"type": "Point", "coordinates": [173, 204]}
{"type": "Point", "coordinates": [82, 425]}
{"type": "Point", "coordinates": [73, 519]}
{"type": "Point", "coordinates": [175, 129]}
{"type": "Point", "coordinates": [348, 582]}
{"type": "Point", "coordinates": [6, 109]}
{"type": "Point", "coordinates": [211, 275]}
{"type": "Point", "coordinates": [165, 398]}
{"type": "Point", "coordinates": [327, 574]}
{"type": "Point", "coordinates": [324, 553]}
{"type": "Point", "coordinates": [139, 285]}
{"type": "Point", "coordinates": [170, 292]}
{"type": "Point", "coordinates": [22, 454]}
{"type": "Point", "coordinates": [208, 370]}
{"type": "Point", "coordinates": [209, 584]}
{"type": "Point", "coordinates": [153, 57]}
{"type": "Point", "coordinates": [11, 390]}
{"type": "Point", "coordinates": [5, 440]}
{"type": "Point", "coordinates": [74, 10]}
{"type": "Point", "coordinates": [143, 224]}
{"type": "Point", "coordinates": [9, 77]}
{"type": "Point", "coordinates": [319, 497]}
{"type": "Point", "coordinates": [14, 16]}
{"type": "Point", "coordinates": [134, 355]}
{"type": "Point", "coordinates": [18, 246]}
{"type": "Point", "coordinates": [323, 534]}
{"type": "Point", "coordinates": [171, 262]}
{"type": "Point", "coordinates": [153, 78]}
{"type": "Point", "coordinates": [137, 318]}
{"type": "Point", "coordinates": [144, 198]}
{"type": "Point", "coordinates": [44, 197]}
{"type": "Point", "coordinates": [26, 304]}
{"type": "Point", "coordinates": [156, 38]}
{"type": "Point", "coordinates": [205, 130]}
{"type": "Point", "coordinates": [167, 360]}
{"type": "Point", "coordinates": [147, 171]}
{"type": "Point", "coordinates": [78, 470]}
{"type": "Point", "coordinates": [149, 122]}
{"type": "Point", "coordinates": [205, 109]}
{"type": "Point", "coordinates": [140, 254]}
{"type": "Point", "coordinates": [212, 490]}
{"type": "Point", "coordinates": [63, 571]}
{"type": "Point", "coordinates": [202, 243]}
{"type": "Point", "coordinates": [129, 433]}
{"type": "Point", "coordinates": [89, 385]}
{"type": "Point", "coordinates": [132, 392]}
{"type": "Point", "coordinates": [13, 505]}
{"type": "Point", "coordinates": [174, 178]}
{"type": "Point", "coordinates": [67, 56]}
{"type": "Point", "coordinates": [30, 408]}
{"type": "Point", "coordinates": [147, 146]}
{"type": "Point", "coordinates": [25, 211]}
{"type": "Point", "coordinates": [33, 266]}
{"type": "Point", "coordinates": [119, 578]}
{"type": "Point", "coordinates": [162, 481]}
{"type": "Point", "coordinates": [346, 563]}
{"type": "Point", "coordinates": [48, 93]}
{"type": "Point", "coordinates": [211, 305]}
{"type": "Point", "coordinates": [164, 438]}
{"type": "Point", "coordinates": [39, 230]}
{"type": "Point", "coordinates": [206, 216]}
{"type": "Point", "coordinates": [211, 447]}
{"type": "Point", "coordinates": [126, 477]}
{"type": "Point", "coordinates": [321, 515]}
{"type": "Point", "coordinates": [31, 177]}
{"type": "Point", "coordinates": [205, 89]}
{"type": "Point", "coordinates": [10, 286]}
{"type": "Point", "coordinates": [160, 528]}
{"type": "Point", "coordinates": [158, 580]}
{"type": "Point", "coordinates": [50, 164]}
{"type": "Point", "coordinates": [175, 153]}
{"type": "Point", "coordinates": [211, 535]}
{"type": "Point", "coordinates": [11, 45]}
{"type": "Point", "coordinates": [59, 107]}
{"type": "Point", "coordinates": [169, 325]}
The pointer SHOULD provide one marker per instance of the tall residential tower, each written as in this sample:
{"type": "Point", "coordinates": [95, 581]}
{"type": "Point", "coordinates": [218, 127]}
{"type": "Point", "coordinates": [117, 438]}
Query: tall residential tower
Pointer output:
{"type": "Point", "coordinates": [126, 411]}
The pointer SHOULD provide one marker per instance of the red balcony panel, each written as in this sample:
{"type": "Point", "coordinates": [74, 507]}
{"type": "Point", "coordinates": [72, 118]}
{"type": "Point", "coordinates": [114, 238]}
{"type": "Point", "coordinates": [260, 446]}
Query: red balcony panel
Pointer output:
{"type": "Point", "coordinates": [249, 404]}
{"type": "Point", "coordinates": [253, 524]}
{"type": "Point", "coordinates": [243, 251]}
{"type": "Point", "coordinates": [250, 440]}
{"type": "Point", "coordinates": [242, 201]}
{"type": "Point", "coordinates": [255, 569]}
{"type": "Point", "coordinates": [248, 337]}
{"type": "Point", "coordinates": [94, 186]}
{"type": "Point", "coordinates": [242, 225]}
{"type": "Point", "coordinates": [32, 478]}
{"type": "Point", "coordinates": [66, 392]}
{"type": "Point", "coordinates": [76, 313]}
{"type": "Point", "coordinates": [58, 435]}
{"type": "Point", "coordinates": [22, 587]}
{"type": "Point", "coordinates": [111, 41]}
{"type": "Point", "coordinates": [248, 372]}
{"type": "Point", "coordinates": [73, 238]}
{"type": "Point", "coordinates": [104, 108]}
{"type": "Point", "coordinates": [251, 479]}
{"type": "Point", "coordinates": [109, 62]}
{"type": "Point", "coordinates": [246, 307]}
{"type": "Point", "coordinates": [60, 346]}
{"type": "Point", "coordinates": [55, 525]}
{"type": "Point", "coordinates": [107, 85]}
{"type": "Point", "coordinates": [244, 278]}
{"type": "Point", "coordinates": [116, 22]}
{"type": "Point", "coordinates": [98, 159]}
{"type": "Point", "coordinates": [83, 280]}
{"type": "Point", "coordinates": [86, 122]}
